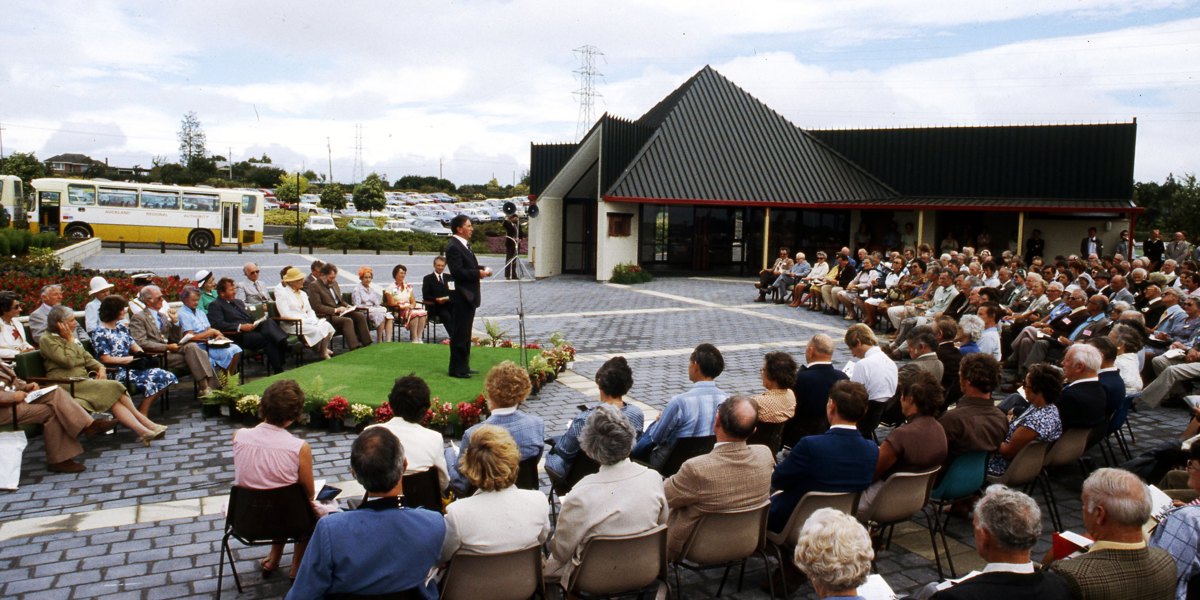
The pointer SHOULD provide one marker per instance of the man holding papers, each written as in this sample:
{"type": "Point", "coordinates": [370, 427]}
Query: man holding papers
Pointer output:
{"type": "Point", "coordinates": [228, 315]}
{"type": "Point", "coordinates": [63, 420]}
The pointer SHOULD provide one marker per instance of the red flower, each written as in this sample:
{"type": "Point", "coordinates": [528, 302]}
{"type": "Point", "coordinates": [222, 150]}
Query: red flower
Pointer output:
{"type": "Point", "coordinates": [336, 408]}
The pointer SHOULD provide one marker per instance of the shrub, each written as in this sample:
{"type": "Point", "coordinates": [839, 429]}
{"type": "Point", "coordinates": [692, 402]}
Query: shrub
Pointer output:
{"type": "Point", "coordinates": [367, 240]}
{"type": "Point", "coordinates": [628, 273]}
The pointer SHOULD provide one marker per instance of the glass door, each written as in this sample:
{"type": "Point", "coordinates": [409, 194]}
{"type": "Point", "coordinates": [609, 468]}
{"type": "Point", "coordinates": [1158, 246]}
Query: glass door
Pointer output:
{"type": "Point", "coordinates": [230, 226]}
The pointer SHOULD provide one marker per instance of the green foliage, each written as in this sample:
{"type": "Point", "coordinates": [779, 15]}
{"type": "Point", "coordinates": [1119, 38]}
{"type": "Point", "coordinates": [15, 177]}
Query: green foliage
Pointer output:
{"type": "Point", "coordinates": [628, 273]}
{"type": "Point", "coordinates": [494, 333]}
{"type": "Point", "coordinates": [317, 394]}
{"type": "Point", "coordinates": [424, 185]}
{"type": "Point", "coordinates": [369, 195]}
{"type": "Point", "coordinates": [1173, 205]}
{"type": "Point", "coordinates": [226, 392]}
{"type": "Point", "coordinates": [191, 139]}
{"type": "Point", "coordinates": [24, 165]}
{"type": "Point", "coordinates": [290, 187]}
{"type": "Point", "coordinates": [333, 197]}
{"type": "Point", "coordinates": [43, 257]}
{"type": "Point", "coordinates": [364, 240]}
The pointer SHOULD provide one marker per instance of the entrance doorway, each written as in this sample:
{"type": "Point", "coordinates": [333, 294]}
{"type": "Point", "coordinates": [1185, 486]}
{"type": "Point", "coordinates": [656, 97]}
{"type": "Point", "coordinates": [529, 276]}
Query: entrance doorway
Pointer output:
{"type": "Point", "coordinates": [579, 236]}
{"type": "Point", "coordinates": [229, 222]}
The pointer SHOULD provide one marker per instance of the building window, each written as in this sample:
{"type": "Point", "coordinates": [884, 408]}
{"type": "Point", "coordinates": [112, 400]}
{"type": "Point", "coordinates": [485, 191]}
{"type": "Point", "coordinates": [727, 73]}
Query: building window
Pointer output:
{"type": "Point", "coordinates": [620, 224]}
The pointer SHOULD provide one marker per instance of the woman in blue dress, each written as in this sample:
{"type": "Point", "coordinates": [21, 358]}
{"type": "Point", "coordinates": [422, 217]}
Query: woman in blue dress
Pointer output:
{"type": "Point", "coordinates": [222, 352]}
{"type": "Point", "coordinates": [115, 347]}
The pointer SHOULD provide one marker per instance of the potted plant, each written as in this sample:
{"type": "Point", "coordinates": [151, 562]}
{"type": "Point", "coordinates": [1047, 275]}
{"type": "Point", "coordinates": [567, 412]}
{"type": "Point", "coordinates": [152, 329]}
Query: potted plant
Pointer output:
{"type": "Point", "coordinates": [316, 395]}
{"type": "Point", "coordinates": [383, 413]}
{"type": "Point", "coordinates": [247, 407]}
{"type": "Point", "coordinates": [225, 394]}
{"type": "Point", "coordinates": [335, 410]}
{"type": "Point", "coordinates": [362, 415]}
{"type": "Point", "coordinates": [539, 372]}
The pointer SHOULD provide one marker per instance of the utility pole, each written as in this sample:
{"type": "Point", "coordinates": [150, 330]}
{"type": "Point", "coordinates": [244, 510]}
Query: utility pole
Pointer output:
{"type": "Point", "coordinates": [440, 162]}
{"type": "Point", "coordinates": [229, 159]}
{"type": "Point", "coordinates": [587, 87]}
{"type": "Point", "coordinates": [1, 142]}
{"type": "Point", "coordinates": [358, 159]}
{"type": "Point", "coordinates": [329, 154]}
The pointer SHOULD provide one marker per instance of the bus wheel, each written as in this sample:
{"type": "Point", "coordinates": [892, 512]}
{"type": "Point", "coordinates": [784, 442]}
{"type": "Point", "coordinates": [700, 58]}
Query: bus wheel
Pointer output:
{"type": "Point", "coordinates": [78, 231]}
{"type": "Point", "coordinates": [200, 240]}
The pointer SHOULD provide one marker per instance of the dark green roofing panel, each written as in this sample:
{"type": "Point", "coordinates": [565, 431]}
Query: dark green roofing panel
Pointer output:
{"type": "Point", "coordinates": [620, 141]}
{"type": "Point", "coordinates": [545, 161]}
{"type": "Point", "coordinates": [1026, 161]}
{"type": "Point", "coordinates": [717, 142]}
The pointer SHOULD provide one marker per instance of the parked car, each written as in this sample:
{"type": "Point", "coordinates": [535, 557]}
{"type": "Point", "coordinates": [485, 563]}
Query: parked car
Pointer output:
{"type": "Point", "coordinates": [398, 225]}
{"type": "Point", "coordinates": [362, 224]}
{"type": "Point", "coordinates": [430, 226]}
{"type": "Point", "coordinates": [317, 222]}
{"type": "Point", "coordinates": [310, 208]}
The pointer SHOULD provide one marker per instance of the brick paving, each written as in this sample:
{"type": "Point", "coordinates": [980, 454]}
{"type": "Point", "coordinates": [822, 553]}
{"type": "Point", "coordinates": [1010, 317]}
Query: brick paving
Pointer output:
{"type": "Point", "coordinates": [146, 523]}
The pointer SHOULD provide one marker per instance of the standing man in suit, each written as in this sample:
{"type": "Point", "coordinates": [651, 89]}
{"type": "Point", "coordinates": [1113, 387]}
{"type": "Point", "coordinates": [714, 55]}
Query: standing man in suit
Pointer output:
{"type": "Point", "coordinates": [1153, 249]}
{"type": "Point", "coordinates": [839, 460]}
{"type": "Point", "coordinates": [464, 295]}
{"type": "Point", "coordinates": [1178, 249]}
{"type": "Point", "coordinates": [1118, 565]}
{"type": "Point", "coordinates": [326, 298]}
{"type": "Point", "coordinates": [355, 552]}
{"type": "Point", "coordinates": [1091, 245]}
{"type": "Point", "coordinates": [228, 315]}
{"type": "Point", "coordinates": [435, 292]}
{"type": "Point", "coordinates": [813, 382]}
{"type": "Point", "coordinates": [734, 476]}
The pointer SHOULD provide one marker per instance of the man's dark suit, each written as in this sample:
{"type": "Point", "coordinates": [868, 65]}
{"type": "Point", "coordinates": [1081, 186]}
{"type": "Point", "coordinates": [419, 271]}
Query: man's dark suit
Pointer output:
{"type": "Point", "coordinates": [464, 299]}
{"type": "Point", "coordinates": [948, 353]}
{"type": "Point", "coordinates": [432, 289]}
{"type": "Point", "coordinates": [1153, 312]}
{"type": "Point", "coordinates": [839, 460]}
{"type": "Point", "coordinates": [227, 316]}
{"type": "Point", "coordinates": [1082, 405]}
{"type": "Point", "coordinates": [1034, 247]}
{"type": "Point", "coordinates": [1083, 246]}
{"type": "Point", "coordinates": [325, 300]}
{"type": "Point", "coordinates": [1114, 391]}
{"type": "Point", "coordinates": [1154, 249]}
{"type": "Point", "coordinates": [812, 394]}
{"type": "Point", "coordinates": [1039, 585]}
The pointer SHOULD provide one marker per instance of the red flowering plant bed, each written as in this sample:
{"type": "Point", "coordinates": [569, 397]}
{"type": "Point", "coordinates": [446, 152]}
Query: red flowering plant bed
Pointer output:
{"type": "Point", "coordinates": [453, 419]}
{"type": "Point", "coordinates": [28, 284]}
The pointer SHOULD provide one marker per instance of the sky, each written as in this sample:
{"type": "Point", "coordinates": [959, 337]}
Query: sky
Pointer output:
{"type": "Point", "coordinates": [461, 88]}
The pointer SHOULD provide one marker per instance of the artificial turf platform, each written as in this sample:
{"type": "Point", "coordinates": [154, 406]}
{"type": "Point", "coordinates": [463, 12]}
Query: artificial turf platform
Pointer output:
{"type": "Point", "coordinates": [366, 375]}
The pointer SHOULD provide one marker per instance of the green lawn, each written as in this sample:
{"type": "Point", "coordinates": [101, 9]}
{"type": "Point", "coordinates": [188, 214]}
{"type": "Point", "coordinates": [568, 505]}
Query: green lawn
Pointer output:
{"type": "Point", "coordinates": [365, 376]}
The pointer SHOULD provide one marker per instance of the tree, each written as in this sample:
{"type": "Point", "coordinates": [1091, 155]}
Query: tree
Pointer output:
{"type": "Point", "coordinates": [24, 165]}
{"type": "Point", "coordinates": [333, 197]}
{"type": "Point", "coordinates": [369, 195]}
{"type": "Point", "coordinates": [424, 184]}
{"type": "Point", "coordinates": [290, 187]}
{"type": "Point", "coordinates": [191, 139]}
{"type": "Point", "coordinates": [1171, 206]}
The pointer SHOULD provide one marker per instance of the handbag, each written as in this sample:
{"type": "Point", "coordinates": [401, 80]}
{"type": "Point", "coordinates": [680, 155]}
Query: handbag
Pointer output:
{"type": "Point", "coordinates": [142, 363]}
{"type": "Point", "coordinates": [12, 448]}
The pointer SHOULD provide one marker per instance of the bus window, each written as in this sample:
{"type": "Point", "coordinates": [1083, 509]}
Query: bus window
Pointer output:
{"type": "Point", "coordinates": [160, 200]}
{"type": "Point", "coordinates": [249, 204]}
{"type": "Point", "coordinates": [81, 195]}
{"type": "Point", "coordinates": [200, 202]}
{"type": "Point", "coordinates": [118, 198]}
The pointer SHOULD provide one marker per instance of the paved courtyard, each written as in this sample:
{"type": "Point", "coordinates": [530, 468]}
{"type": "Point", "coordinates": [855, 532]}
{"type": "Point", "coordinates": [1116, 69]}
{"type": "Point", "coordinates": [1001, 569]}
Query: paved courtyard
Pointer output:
{"type": "Point", "coordinates": [147, 522]}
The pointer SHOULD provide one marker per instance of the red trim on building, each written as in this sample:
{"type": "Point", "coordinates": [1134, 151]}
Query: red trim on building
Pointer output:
{"type": "Point", "coordinates": [1074, 207]}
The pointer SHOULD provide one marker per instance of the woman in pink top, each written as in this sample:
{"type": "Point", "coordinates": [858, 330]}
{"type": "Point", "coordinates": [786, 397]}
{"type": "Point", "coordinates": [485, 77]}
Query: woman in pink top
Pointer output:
{"type": "Point", "coordinates": [268, 457]}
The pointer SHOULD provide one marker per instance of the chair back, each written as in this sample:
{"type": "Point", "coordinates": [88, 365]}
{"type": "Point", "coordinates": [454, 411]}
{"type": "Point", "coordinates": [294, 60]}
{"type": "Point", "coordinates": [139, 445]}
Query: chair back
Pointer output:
{"type": "Point", "coordinates": [421, 490]}
{"type": "Point", "coordinates": [684, 449]}
{"type": "Point", "coordinates": [279, 514]}
{"type": "Point", "coordinates": [256, 310]}
{"type": "Point", "coordinates": [1025, 466]}
{"type": "Point", "coordinates": [515, 575]}
{"type": "Point", "coordinates": [29, 365]}
{"type": "Point", "coordinates": [409, 594]}
{"type": "Point", "coordinates": [272, 310]}
{"type": "Point", "coordinates": [527, 473]}
{"type": "Point", "coordinates": [582, 467]}
{"type": "Point", "coordinates": [769, 435]}
{"type": "Point", "coordinates": [1119, 416]}
{"type": "Point", "coordinates": [810, 503]}
{"type": "Point", "coordinates": [963, 477]}
{"type": "Point", "coordinates": [1068, 447]}
{"type": "Point", "coordinates": [727, 536]}
{"type": "Point", "coordinates": [611, 564]}
{"type": "Point", "coordinates": [901, 495]}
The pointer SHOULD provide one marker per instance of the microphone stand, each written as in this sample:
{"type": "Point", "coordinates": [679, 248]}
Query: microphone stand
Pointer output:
{"type": "Point", "coordinates": [521, 270]}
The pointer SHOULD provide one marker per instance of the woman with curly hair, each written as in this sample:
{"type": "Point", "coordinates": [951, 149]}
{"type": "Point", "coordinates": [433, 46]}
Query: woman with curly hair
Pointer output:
{"type": "Point", "coordinates": [506, 386]}
{"type": "Point", "coordinates": [115, 347]}
{"type": "Point", "coordinates": [614, 378]}
{"type": "Point", "coordinates": [834, 551]}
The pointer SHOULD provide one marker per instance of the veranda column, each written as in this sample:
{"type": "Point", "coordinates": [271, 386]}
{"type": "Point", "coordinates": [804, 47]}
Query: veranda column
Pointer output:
{"type": "Point", "coordinates": [766, 237]}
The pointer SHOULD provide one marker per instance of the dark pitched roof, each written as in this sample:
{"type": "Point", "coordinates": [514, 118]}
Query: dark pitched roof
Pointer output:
{"type": "Point", "coordinates": [81, 159]}
{"type": "Point", "coordinates": [545, 161]}
{"type": "Point", "coordinates": [1052, 162]}
{"type": "Point", "coordinates": [711, 140]}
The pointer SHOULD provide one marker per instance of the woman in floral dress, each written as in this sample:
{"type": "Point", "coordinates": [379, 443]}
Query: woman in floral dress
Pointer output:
{"type": "Point", "coordinates": [399, 297]}
{"type": "Point", "coordinates": [115, 347]}
{"type": "Point", "coordinates": [1041, 422]}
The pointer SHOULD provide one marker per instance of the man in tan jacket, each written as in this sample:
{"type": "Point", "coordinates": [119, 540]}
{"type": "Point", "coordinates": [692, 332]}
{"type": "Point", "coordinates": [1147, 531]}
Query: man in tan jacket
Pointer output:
{"type": "Point", "coordinates": [732, 477]}
{"type": "Point", "coordinates": [326, 298]}
{"type": "Point", "coordinates": [156, 332]}
{"type": "Point", "coordinates": [62, 419]}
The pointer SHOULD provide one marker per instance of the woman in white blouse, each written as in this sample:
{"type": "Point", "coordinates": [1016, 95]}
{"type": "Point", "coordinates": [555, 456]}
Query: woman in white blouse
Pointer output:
{"type": "Point", "coordinates": [12, 334]}
{"type": "Point", "coordinates": [292, 303]}
{"type": "Point", "coordinates": [399, 297]}
{"type": "Point", "coordinates": [366, 296]}
{"type": "Point", "coordinates": [1129, 342]}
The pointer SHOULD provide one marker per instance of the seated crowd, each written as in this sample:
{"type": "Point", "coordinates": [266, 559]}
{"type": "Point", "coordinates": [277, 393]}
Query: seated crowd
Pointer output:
{"type": "Point", "coordinates": [121, 348]}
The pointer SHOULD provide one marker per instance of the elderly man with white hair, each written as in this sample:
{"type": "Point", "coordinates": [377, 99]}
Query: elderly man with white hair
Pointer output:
{"type": "Point", "coordinates": [1007, 524]}
{"type": "Point", "coordinates": [1118, 565]}
{"type": "Point", "coordinates": [1082, 404]}
{"type": "Point", "coordinates": [51, 296]}
{"type": "Point", "coordinates": [252, 290]}
{"type": "Point", "coordinates": [835, 552]}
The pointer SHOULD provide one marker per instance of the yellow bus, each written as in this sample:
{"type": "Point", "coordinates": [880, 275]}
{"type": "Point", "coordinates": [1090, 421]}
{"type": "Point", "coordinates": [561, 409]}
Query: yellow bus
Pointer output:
{"type": "Point", "coordinates": [200, 217]}
{"type": "Point", "coordinates": [12, 197]}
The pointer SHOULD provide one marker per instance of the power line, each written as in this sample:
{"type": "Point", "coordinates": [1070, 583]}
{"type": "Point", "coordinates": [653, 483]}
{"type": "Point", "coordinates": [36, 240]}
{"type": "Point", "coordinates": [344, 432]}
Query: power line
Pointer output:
{"type": "Point", "coordinates": [358, 160]}
{"type": "Point", "coordinates": [587, 87]}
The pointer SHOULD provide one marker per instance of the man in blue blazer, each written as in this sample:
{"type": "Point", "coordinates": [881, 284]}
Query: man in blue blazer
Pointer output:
{"type": "Point", "coordinates": [464, 296]}
{"type": "Point", "coordinates": [839, 460]}
{"type": "Point", "coordinates": [813, 382]}
{"type": "Point", "coordinates": [381, 548]}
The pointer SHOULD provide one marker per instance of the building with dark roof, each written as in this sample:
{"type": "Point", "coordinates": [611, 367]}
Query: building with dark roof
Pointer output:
{"type": "Point", "coordinates": [711, 178]}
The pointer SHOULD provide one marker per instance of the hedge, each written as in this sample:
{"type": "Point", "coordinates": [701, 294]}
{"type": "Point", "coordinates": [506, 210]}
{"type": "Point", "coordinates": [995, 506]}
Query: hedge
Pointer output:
{"type": "Point", "coordinates": [16, 242]}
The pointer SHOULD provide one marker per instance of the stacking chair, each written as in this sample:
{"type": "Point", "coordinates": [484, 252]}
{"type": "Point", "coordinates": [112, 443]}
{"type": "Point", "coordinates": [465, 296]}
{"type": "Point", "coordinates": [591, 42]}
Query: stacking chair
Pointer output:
{"type": "Point", "coordinates": [527, 473]}
{"type": "Point", "coordinates": [811, 502]}
{"type": "Point", "coordinates": [421, 490]}
{"type": "Point", "coordinates": [262, 518]}
{"type": "Point", "coordinates": [726, 539]}
{"type": "Point", "coordinates": [963, 478]}
{"type": "Point", "coordinates": [901, 496]}
{"type": "Point", "coordinates": [769, 435]}
{"type": "Point", "coordinates": [31, 367]}
{"type": "Point", "coordinates": [294, 329]}
{"type": "Point", "coordinates": [684, 449]}
{"type": "Point", "coordinates": [515, 575]}
{"type": "Point", "coordinates": [1120, 418]}
{"type": "Point", "coordinates": [1065, 450]}
{"type": "Point", "coordinates": [620, 565]}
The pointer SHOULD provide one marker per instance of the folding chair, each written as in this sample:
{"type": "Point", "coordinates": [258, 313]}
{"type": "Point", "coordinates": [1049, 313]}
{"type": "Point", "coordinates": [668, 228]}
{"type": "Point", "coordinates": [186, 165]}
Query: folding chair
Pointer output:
{"type": "Point", "coordinates": [962, 480]}
{"type": "Point", "coordinates": [515, 575]}
{"type": "Point", "coordinates": [684, 449]}
{"type": "Point", "coordinates": [262, 518]}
